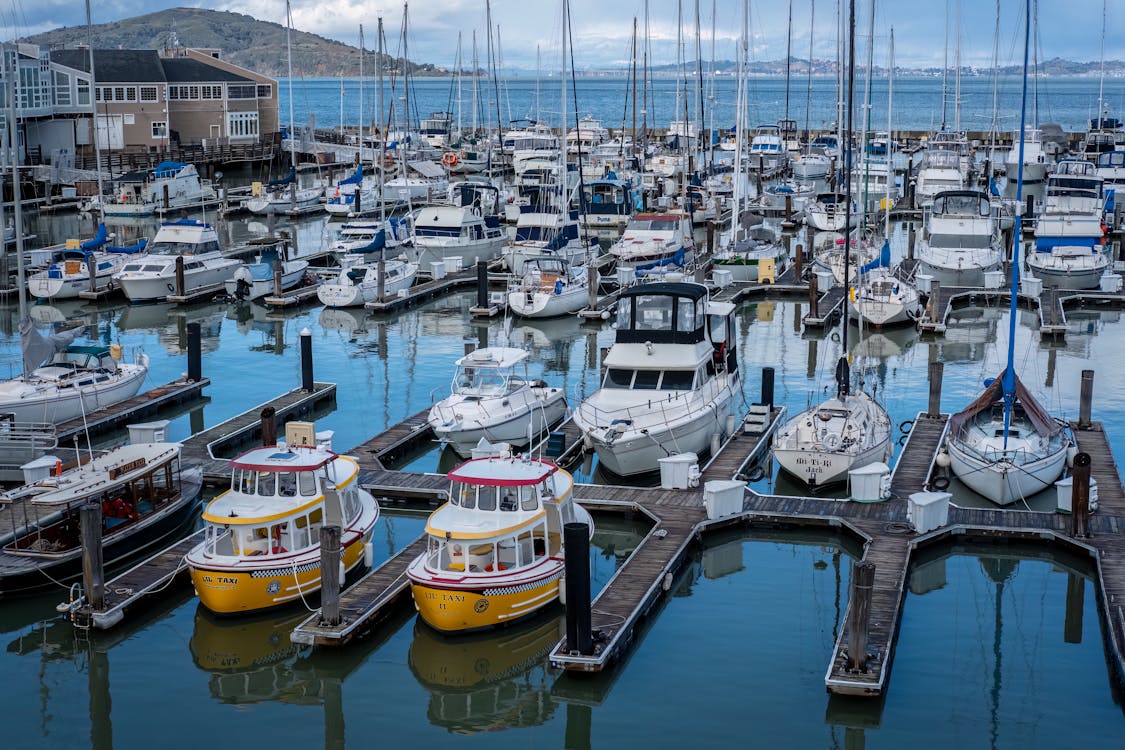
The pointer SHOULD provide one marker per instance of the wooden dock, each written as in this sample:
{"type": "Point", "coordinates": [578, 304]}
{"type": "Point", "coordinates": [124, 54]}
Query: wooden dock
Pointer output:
{"type": "Point", "coordinates": [197, 295]}
{"type": "Point", "coordinates": [202, 448]}
{"type": "Point", "coordinates": [915, 465]}
{"type": "Point", "coordinates": [126, 592]}
{"type": "Point", "coordinates": [1050, 306]}
{"type": "Point", "coordinates": [292, 297]}
{"type": "Point", "coordinates": [424, 292]}
{"type": "Point", "coordinates": [829, 308]}
{"type": "Point", "coordinates": [133, 409]}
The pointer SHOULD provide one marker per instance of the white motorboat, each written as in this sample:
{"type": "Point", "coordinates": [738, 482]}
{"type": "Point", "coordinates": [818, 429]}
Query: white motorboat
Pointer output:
{"type": "Point", "coordinates": [653, 240]}
{"type": "Point", "coordinates": [421, 181]}
{"type": "Point", "coordinates": [284, 194]}
{"type": "Point", "coordinates": [153, 277]}
{"type": "Point", "coordinates": [811, 166]}
{"type": "Point", "coordinates": [359, 284]}
{"type": "Point", "coordinates": [524, 145]}
{"type": "Point", "coordinates": [1070, 250]}
{"type": "Point", "coordinates": [740, 251]}
{"type": "Point", "coordinates": [1036, 161]}
{"type": "Point", "coordinates": [69, 274]}
{"type": "Point", "coordinates": [470, 231]}
{"type": "Point", "coordinates": [543, 230]}
{"type": "Point", "coordinates": [548, 287]}
{"type": "Point", "coordinates": [60, 385]}
{"type": "Point", "coordinates": [940, 172]}
{"type": "Point", "coordinates": [170, 186]}
{"type": "Point", "coordinates": [882, 299]}
{"type": "Point", "coordinates": [768, 153]}
{"type": "Point", "coordinates": [493, 398]}
{"type": "Point", "coordinates": [671, 378]}
{"type": "Point", "coordinates": [960, 239]}
{"type": "Point", "coordinates": [797, 193]}
{"type": "Point", "coordinates": [356, 239]}
{"type": "Point", "coordinates": [253, 281]}
{"type": "Point", "coordinates": [608, 203]}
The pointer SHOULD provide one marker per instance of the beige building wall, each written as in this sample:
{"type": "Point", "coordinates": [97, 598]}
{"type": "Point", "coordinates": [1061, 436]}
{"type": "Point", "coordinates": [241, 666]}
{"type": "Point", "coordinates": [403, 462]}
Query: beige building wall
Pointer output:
{"type": "Point", "coordinates": [267, 108]}
{"type": "Point", "coordinates": [137, 117]}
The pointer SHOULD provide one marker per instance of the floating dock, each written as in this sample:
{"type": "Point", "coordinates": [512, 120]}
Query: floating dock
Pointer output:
{"type": "Point", "coordinates": [132, 409]}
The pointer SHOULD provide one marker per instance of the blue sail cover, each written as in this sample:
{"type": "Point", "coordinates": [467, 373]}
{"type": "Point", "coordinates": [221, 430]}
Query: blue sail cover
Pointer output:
{"type": "Point", "coordinates": [168, 168]}
{"type": "Point", "coordinates": [138, 247]}
{"type": "Point", "coordinates": [355, 179]}
{"type": "Point", "coordinates": [283, 181]}
{"type": "Point", "coordinates": [676, 260]}
{"type": "Point", "coordinates": [883, 261]}
{"type": "Point", "coordinates": [97, 240]}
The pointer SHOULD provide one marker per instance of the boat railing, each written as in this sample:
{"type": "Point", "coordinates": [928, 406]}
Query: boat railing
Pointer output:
{"type": "Point", "coordinates": [653, 413]}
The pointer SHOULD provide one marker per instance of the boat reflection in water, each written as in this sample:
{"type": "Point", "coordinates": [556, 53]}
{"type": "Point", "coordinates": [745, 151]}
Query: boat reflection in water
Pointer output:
{"type": "Point", "coordinates": [490, 681]}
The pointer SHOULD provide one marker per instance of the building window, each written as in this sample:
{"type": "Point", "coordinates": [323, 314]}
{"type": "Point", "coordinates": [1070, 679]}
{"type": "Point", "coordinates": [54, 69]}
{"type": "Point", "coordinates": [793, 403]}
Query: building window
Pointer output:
{"type": "Point", "coordinates": [119, 94]}
{"type": "Point", "coordinates": [84, 92]}
{"type": "Point", "coordinates": [130, 94]}
{"type": "Point", "coordinates": [149, 94]}
{"type": "Point", "coordinates": [241, 91]}
{"type": "Point", "coordinates": [160, 129]}
{"type": "Point", "coordinates": [193, 92]}
{"type": "Point", "coordinates": [173, 92]}
{"type": "Point", "coordinates": [265, 91]}
{"type": "Point", "coordinates": [62, 89]}
{"type": "Point", "coordinates": [242, 124]}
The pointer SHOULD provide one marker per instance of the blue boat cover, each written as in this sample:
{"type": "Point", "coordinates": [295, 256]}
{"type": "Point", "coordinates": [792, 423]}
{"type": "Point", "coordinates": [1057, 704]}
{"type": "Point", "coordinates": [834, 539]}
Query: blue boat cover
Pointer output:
{"type": "Point", "coordinates": [97, 240]}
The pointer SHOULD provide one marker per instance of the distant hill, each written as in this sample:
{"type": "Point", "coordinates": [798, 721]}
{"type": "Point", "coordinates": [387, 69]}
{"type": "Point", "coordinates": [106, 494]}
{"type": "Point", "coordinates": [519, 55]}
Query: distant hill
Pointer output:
{"type": "Point", "coordinates": [1054, 67]}
{"type": "Point", "coordinates": [257, 45]}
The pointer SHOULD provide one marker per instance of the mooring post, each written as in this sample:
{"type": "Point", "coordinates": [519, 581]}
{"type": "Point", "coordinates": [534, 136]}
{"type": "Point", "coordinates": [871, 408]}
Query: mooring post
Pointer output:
{"type": "Point", "coordinates": [293, 196]}
{"type": "Point", "coordinates": [167, 198]}
{"type": "Point", "coordinates": [937, 369]}
{"type": "Point", "coordinates": [910, 242]}
{"type": "Point", "coordinates": [482, 284]}
{"type": "Point", "coordinates": [1030, 212]}
{"type": "Point", "coordinates": [330, 575]}
{"type": "Point", "coordinates": [863, 579]}
{"type": "Point", "coordinates": [767, 386]}
{"type": "Point", "coordinates": [194, 353]}
{"type": "Point", "coordinates": [1086, 400]}
{"type": "Point", "coordinates": [180, 275]}
{"type": "Point", "coordinates": [711, 235]}
{"type": "Point", "coordinates": [277, 277]}
{"type": "Point", "coordinates": [469, 347]}
{"type": "Point", "coordinates": [268, 421]}
{"type": "Point", "coordinates": [935, 301]}
{"type": "Point", "coordinates": [306, 360]}
{"type": "Point", "coordinates": [357, 208]}
{"type": "Point", "coordinates": [788, 208]}
{"type": "Point", "coordinates": [758, 179]}
{"type": "Point", "coordinates": [576, 541]}
{"type": "Point", "coordinates": [92, 273]}
{"type": "Point", "coordinates": [592, 284]}
{"type": "Point", "coordinates": [814, 296]}
{"type": "Point", "coordinates": [799, 260]}
{"type": "Point", "coordinates": [1080, 497]}
{"type": "Point", "coordinates": [381, 286]}
{"type": "Point", "coordinates": [1053, 305]}
{"type": "Point", "coordinates": [93, 570]}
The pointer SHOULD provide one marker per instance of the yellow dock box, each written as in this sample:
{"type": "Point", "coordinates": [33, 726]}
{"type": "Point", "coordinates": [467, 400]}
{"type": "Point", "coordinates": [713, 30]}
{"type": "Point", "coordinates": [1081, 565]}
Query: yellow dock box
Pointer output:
{"type": "Point", "coordinates": [765, 311]}
{"type": "Point", "coordinates": [767, 271]}
{"type": "Point", "coordinates": [73, 244]}
{"type": "Point", "coordinates": [256, 189]}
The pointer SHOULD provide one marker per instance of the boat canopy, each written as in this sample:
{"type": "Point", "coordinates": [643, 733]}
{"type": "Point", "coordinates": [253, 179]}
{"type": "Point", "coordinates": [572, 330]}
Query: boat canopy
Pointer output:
{"type": "Point", "coordinates": [493, 357]}
{"type": "Point", "coordinates": [97, 240]}
{"type": "Point", "coordinates": [962, 203]}
{"type": "Point", "coordinates": [283, 181]}
{"type": "Point", "coordinates": [355, 179]}
{"type": "Point", "coordinates": [168, 169]}
{"type": "Point", "coordinates": [283, 458]}
{"type": "Point", "coordinates": [662, 312]}
{"type": "Point", "coordinates": [137, 247]}
{"type": "Point", "coordinates": [994, 394]}
{"type": "Point", "coordinates": [503, 472]}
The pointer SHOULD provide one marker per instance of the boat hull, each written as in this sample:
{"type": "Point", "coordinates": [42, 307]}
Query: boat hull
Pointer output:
{"type": "Point", "coordinates": [463, 435]}
{"type": "Point", "coordinates": [641, 454]}
{"type": "Point", "coordinates": [1005, 482]}
{"type": "Point", "coordinates": [57, 406]}
{"type": "Point", "coordinates": [1056, 272]}
{"type": "Point", "coordinates": [156, 288]}
{"type": "Point", "coordinates": [458, 610]}
{"type": "Point", "coordinates": [820, 468]}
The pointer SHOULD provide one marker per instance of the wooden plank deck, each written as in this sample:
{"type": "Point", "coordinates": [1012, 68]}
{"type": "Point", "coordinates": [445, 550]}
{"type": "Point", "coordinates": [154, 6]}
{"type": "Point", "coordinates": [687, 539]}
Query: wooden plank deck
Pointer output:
{"type": "Point", "coordinates": [633, 590]}
{"type": "Point", "coordinates": [366, 603]}
{"type": "Point", "coordinates": [425, 291]}
{"type": "Point", "coordinates": [126, 591]}
{"type": "Point", "coordinates": [131, 409]}
{"type": "Point", "coordinates": [915, 462]}
{"type": "Point", "coordinates": [1103, 467]}
{"type": "Point", "coordinates": [201, 447]}
{"type": "Point", "coordinates": [828, 308]}
{"type": "Point", "coordinates": [739, 451]}
{"type": "Point", "coordinates": [394, 441]}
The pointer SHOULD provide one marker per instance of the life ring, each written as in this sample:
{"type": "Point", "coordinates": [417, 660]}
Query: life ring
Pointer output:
{"type": "Point", "coordinates": [905, 425]}
{"type": "Point", "coordinates": [940, 483]}
{"type": "Point", "coordinates": [450, 159]}
{"type": "Point", "coordinates": [171, 288]}
{"type": "Point", "coordinates": [757, 475]}
{"type": "Point", "coordinates": [832, 441]}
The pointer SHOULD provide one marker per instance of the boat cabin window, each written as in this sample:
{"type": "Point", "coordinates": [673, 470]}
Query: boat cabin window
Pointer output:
{"type": "Point", "coordinates": [1112, 159]}
{"type": "Point", "coordinates": [646, 380]}
{"type": "Point", "coordinates": [487, 556]}
{"type": "Point", "coordinates": [476, 381]}
{"type": "Point", "coordinates": [267, 483]}
{"type": "Point", "coordinates": [652, 225]}
{"type": "Point", "coordinates": [677, 380]}
{"type": "Point", "coordinates": [183, 248]}
{"type": "Point", "coordinates": [618, 378]}
{"type": "Point", "coordinates": [306, 482]}
{"type": "Point", "coordinates": [653, 313]}
{"type": "Point", "coordinates": [962, 204]}
{"type": "Point", "coordinates": [287, 484]}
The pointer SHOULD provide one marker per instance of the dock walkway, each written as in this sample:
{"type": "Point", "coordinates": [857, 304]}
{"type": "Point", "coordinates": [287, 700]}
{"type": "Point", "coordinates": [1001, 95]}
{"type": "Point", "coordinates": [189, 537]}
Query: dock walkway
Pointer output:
{"type": "Point", "coordinates": [130, 410]}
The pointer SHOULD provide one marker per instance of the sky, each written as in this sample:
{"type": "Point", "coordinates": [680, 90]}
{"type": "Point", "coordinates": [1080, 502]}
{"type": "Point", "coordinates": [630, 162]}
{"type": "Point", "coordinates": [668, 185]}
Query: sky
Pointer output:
{"type": "Point", "coordinates": [602, 29]}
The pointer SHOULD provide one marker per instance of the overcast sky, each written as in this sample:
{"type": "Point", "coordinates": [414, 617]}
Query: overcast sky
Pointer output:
{"type": "Point", "coordinates": [602, 28]}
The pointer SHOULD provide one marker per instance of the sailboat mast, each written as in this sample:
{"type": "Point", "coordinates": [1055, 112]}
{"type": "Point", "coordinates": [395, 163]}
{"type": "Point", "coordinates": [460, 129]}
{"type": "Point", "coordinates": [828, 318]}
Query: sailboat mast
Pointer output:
{"type": "Point", "coordinates": [361, 118]}
{"type": "Point", "coordinates": [808, 89]}
{"type": "Point", "coordinates": [867, 111]}
{"type": "Point", "coordinates": [945, 71]}
{"type": "Point", "coordinates": [788, 56]}
{"type": "Point", "coordinates": [844, 386]}
{"type": "Point", "coordinates": [1101, 74]}
{"type": "Point", "coordinates": [405, 74]}
{"type": "Point", "coordinates": [289, 68]}
{"type": "Point", "coordinates": [562, 117]}
{"type": "Point", "coordinates": [890, 136]}
{"type": "Point", "coordinates": [740, 105]}
{"type": "Point", "coordinates": [382, 156]}
{"type": "Point", "coordinates": [634, 137]}
{"type": "Point", "coordinates": [14, 161]}
{"type": "Point", "coordinates": [1009, 381]}
{"type": "Point", "coordinates": [93, 85]}
{"type": "Point", "coordinates": [957, 72]}
{"type": "Point", "coordinates": [538, 75]}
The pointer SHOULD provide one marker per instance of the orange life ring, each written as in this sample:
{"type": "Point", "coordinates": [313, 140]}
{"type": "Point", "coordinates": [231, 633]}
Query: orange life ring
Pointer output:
{"type": "Point", "coordinates": [450, 159]}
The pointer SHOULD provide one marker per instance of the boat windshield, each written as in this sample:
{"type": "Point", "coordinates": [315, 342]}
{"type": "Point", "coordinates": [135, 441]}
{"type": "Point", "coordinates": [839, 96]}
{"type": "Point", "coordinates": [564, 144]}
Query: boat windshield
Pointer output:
{"type": "Point", "coordinates": [529, 547]}
{"type": "Point", "coordinates": [649, 380]}
{"type": "Point", "coordinates": [652, 225]}
{"type": "Point", "coordinates": [962, 205]}
{"type": "Point", "coordinates": [478, 381]}
{"type": "Point", "coordinates": [183, 248]}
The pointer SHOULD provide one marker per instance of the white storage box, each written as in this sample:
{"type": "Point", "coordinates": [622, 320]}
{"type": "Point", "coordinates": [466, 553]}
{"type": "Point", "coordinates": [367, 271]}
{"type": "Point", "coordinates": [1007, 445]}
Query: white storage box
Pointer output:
{"type": "Point", "coordinates": [928, 510]}
{"type": "Point", "coordinates": [824, 280]}
{"type": "Point", "coordinates": [924, 282]}
{"type": "Point", "coordinates": [1110, 282]}
{"type": "Point", "coordinates": [453, 264]}
{"type": "Point", "coordinates": [437, 270]}
{"type": "Point", "coordinates": [993, 279]}
{"type": "Point", "coordinates": [324, 439]}
{"type": "Point", "coordinates": [39, 469]}
{"type": "Point", "coordinates": [626, 276]}
{"type": "Point", "coordinates": [679, 472]}
{"type": "Point", "coordinates": [149, 432]}
{"type": "Point", "coordinates": [1065, 489]}
{"type": "Point", "coordinates": [68, 193]}
{"type": "Point", "coordinates": [867, 482]}
{"type": "Point", "coordinates": [722, 278]}
{"type": "Point", "coordinates": [1031, 286]}
{"type": "Point", "coordinates": [723, 497]}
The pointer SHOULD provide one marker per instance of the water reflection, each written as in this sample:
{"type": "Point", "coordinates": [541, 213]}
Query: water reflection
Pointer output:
{"type": "Point", "coordinates": [487, 682]}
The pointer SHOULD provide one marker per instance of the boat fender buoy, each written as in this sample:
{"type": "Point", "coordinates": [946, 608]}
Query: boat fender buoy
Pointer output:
{"type": "Point", "coordinates": [171, 288]}
{"type": "Point", "coordinates": [943, 460]}
{"type": "Point", "coordinates": [343, 573]}
{"type": "Point", "coordinates": [368, 555]}
{"type": "Point", "coordinates": [941, 483]}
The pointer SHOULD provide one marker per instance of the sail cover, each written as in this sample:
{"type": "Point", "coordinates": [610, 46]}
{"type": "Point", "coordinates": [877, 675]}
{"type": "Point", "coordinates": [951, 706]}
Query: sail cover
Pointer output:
{"type": "Point", "coordinates": [37, 348]}
{"type": "Point", "coordinates": [994, 394]}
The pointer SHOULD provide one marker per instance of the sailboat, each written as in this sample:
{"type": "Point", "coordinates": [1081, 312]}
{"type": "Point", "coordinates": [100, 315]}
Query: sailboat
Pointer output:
{"type": "Point", "coordinates": [89, 267]}
{"type": "Point", "coordinates": [1004, 445]}
{"type": "Point", "coordinates": [823, 443]}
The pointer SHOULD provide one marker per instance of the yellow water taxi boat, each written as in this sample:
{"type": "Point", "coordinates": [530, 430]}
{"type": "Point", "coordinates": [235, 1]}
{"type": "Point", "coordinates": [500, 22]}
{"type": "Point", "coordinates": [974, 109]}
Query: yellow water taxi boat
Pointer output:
{"type": "Point", "coordinates": [495, 549]}
{"type": "Point", "coordinates": [262, 546]}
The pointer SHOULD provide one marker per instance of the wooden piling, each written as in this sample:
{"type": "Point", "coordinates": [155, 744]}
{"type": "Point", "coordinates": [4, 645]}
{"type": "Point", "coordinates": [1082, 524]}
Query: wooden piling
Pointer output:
{"type": "Point", "coordinates": [576, 541]}
{"type": "Point", "coordinates": [1086, 399]}
{"type": "Point", "coordinates": [180, 276]}
{"type": "Point", "coordinates": [277, 277]}
{"type": "Point", "coordinates": [381, 286]}
{"type": "Point", "coordinates": [482, 284]}
{"type": "Point", "coordinates": [863, 578]}
{"type": "Point", "coordinates": [910, 242]}
{"type": "Point", "coordinates": [814, 296]}
{"type": "Point", "coordinates": [470, 347]}
{"type": "Point", "coordinates": [767, 386]}
{"type": "Point", "coordinates": [330, 575]}
{"type": "Point", "coordinates": [934, 303]}
{"type": "Point", "coordinates": [592, 284]}
{"type": "Point", "coordinates": [306, 360]}
{"type": "Point", "coordinates": [711, 236]}
{"type": "Point", "coordinates": [93, 569]}
{"type": "Point", "coordinates": [268, 418]}
{"type": "Point", "coordinates": [1080, 497]}
{"type": "Point", "coordinates": [194, 353]}
{"type": "Point", "coordinates": [798, 260]}
{"type": "Point", "coordinates": [936, 370]}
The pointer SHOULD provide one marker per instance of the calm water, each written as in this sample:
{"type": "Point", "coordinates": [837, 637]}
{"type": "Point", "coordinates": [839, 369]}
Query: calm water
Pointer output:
{"type": "Point", "coordinates": [1070, 102]}
{"type": "Point", "coordinates": [747, 635]}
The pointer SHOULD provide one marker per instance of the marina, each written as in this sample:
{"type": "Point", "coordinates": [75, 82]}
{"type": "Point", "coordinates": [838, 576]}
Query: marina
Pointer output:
{"type": "Point", "coordinates": [332, 418]}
